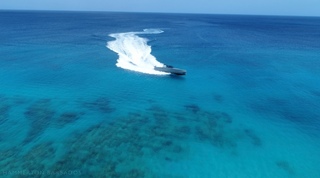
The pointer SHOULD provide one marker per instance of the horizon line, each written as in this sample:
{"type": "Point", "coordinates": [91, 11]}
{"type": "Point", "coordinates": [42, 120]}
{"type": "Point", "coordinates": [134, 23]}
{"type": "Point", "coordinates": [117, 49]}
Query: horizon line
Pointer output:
{"type": "Point", "coordinates": [158, 12]}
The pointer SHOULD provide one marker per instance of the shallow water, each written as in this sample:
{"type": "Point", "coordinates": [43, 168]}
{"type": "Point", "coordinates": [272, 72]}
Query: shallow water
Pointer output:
{"type": "Point", "coordinates": [248, 106]}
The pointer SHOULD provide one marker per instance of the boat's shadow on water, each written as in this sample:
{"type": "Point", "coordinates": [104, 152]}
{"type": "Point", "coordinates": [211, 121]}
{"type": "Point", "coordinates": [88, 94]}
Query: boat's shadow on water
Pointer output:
{"type": "Point", "coordinates": [176, 77]}
{"type": "Point", "coordinates": [170, 77]}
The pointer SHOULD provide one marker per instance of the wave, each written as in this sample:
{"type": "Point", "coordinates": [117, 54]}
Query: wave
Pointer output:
{"type": "Point", "coordinates": [134, 52]}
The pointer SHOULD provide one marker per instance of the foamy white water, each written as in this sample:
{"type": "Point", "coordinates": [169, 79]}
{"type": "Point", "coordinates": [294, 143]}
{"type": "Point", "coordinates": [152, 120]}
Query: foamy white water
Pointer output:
{"type": "Point", "coordinates": [134, 52]}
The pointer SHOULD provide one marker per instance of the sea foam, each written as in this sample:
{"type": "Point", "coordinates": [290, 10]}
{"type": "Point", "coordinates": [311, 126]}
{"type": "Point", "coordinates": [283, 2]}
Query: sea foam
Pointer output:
{"type": "Point", "coordinates": [134, 52]}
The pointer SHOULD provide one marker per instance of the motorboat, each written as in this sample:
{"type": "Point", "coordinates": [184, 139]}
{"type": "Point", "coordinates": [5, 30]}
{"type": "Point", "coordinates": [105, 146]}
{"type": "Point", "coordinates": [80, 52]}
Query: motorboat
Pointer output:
{"type": "Point", "coordinates": [171, 70]}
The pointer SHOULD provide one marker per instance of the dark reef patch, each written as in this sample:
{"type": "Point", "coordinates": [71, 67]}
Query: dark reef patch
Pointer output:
{"type": "Point", "coordinates": [4, 113]}
{"type": "Point", "coordinates": [255, 140]}
{"type": "Point", "coordinates": [9, 161]}
{"type": "Point", "coordinates": [124, 146]}
{"type": "Point", "coordinates": [192, 107]}
{"type": "Point", "coordinates": [160, 115]}
{"type": "Point", "coordinates": [101, 104]}
{"type": "Point", "coordinates": [29, 164]}
{"type": "Point", "coordinates": [105, 148]}
{"type": "Point", "coordinates": [8, 153]}
{"type": "Point", "coordinates": [215, 128]}
{"type": "Point", "coordinates": [284, 165]}
{"type": "Point", "coordinates": [218, 98]}
{"type": "Point", "coordinates": [39, 115]}
{"type": "Point", "coordinates": [67, 118]}
{"type": "Point", "coordinates": [37, 158]}
{"type": "Point", "coordinates": [182, 130]}
{"type": "Point", "coordinates": [222, 116]}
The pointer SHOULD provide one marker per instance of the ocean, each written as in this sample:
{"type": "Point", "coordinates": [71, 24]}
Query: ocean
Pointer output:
{"type": "Point", "coordinates": [79, 96]}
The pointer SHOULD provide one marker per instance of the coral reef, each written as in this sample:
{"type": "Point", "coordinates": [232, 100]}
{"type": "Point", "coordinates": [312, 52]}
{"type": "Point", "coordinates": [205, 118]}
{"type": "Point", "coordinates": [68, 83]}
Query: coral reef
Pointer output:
{"type": "Point", "coordinates": [67, 118]}
{"type": "Point", "coordinates": [39, 114]}
{"type": "Point", "coordinates": [9, 162]}
{"type": "Point", "coordinates": [33, 163]}
{"type": "Point", "coordinates": [192, 107]}
{"type": "Point", "coordinates": [38, 157]}
{"type": "Point", "coordinates": [101, 104]}
{"type": "Point", "coordinates": [4, 113]}
{"type": "Point", "coordinates": [255, 140]}
{"type": "Point", "coordinates": [122, 146]}
{"type": "Point", "coordinates": [102, 149]}
{"type": "Point", "coordinates": [284, 165]}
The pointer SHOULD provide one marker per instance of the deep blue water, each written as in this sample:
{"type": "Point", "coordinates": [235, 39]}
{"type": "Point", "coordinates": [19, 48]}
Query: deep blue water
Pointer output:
{"type": "Point", "coordinates": [248, 106]}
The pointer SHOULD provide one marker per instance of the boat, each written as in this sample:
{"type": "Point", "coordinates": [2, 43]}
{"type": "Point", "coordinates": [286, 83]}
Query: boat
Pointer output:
{"type": "Point", "coordinates": [171, 70]}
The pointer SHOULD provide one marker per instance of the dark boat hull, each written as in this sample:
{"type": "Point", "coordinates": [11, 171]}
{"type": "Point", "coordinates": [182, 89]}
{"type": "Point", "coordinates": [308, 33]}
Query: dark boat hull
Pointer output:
{"type": "Point", "coordinates": [171, 70]}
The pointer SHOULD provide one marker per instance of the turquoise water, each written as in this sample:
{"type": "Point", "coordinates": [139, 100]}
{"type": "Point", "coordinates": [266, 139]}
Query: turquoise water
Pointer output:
{"type": "Point", "coordinates": [248, 106]}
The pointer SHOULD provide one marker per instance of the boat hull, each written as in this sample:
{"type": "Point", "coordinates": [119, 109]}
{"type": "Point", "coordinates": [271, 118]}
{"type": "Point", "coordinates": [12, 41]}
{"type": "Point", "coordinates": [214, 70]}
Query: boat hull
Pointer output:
{"type": "Point", "coordinates": [171, 70]}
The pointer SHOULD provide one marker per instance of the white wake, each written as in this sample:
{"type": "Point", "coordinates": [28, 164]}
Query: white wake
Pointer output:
{"type": "Point", "coordinates": [134, 52]}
